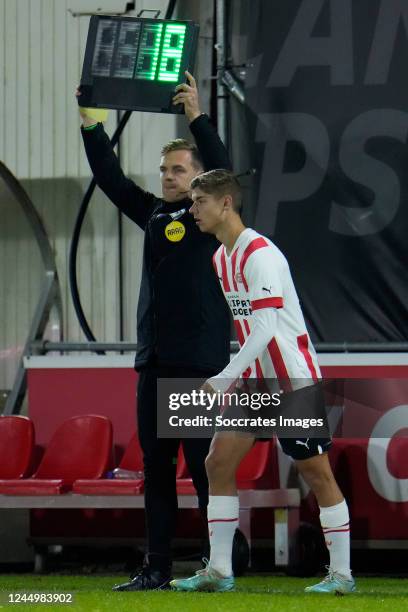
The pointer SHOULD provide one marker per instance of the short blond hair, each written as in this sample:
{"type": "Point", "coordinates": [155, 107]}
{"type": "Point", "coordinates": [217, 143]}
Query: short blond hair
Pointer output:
{"type": "Point", "coordinates": [181, 144]}
{"type": "Point", "coordinates": [220, 183]}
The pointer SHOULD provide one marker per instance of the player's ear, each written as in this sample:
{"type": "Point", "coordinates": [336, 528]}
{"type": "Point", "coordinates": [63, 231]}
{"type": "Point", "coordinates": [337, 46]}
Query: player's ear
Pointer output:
{"type": "Point", "coordinates": [228, 202]}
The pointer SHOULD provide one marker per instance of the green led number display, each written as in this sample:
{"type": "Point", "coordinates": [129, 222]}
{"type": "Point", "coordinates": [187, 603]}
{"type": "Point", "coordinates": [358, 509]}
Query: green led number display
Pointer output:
{"type": "Point", "coordinates": [171, 53]}
{"type": "Point", "coordinates": [160, 52]}
{"type": "Point", "coordinates": [149, 51]}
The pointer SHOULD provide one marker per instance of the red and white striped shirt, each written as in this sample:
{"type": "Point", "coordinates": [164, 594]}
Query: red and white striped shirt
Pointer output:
{"type": "Point", "coordinates": [268, 320]}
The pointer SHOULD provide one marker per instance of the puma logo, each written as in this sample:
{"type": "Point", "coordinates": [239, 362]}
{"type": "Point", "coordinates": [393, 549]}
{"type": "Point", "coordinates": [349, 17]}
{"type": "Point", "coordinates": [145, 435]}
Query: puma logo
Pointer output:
{"type": "Point", "coordinates": [304, 443]}
{"type": "Point", "coordinates": [268, 290]}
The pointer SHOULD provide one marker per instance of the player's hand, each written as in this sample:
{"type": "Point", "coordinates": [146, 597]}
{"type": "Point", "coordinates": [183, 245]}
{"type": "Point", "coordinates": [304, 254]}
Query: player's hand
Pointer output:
{"type": "Point", "coordinates": [207, 388]}
{"type": "Point", "coordinates": [209, 391]}
{"type": "Point", "coordinates": [86, 121]}
{"type": "Point", "coordinates": [187, 94]}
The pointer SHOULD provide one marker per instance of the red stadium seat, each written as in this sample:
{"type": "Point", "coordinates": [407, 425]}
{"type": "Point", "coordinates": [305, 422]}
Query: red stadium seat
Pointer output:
{"type": "Point", "coordinates": [80, 448]}
{"type": "Point", "coordinates": [182, 469]}
{"type": "Point", "coordinates": [133, 456]}
{"type": "Point", "coordinates": [16, 446]}
{"type": "Point", "coordinates": [258, 470]}
{"type": "Point", "coordinates": [131, 460]}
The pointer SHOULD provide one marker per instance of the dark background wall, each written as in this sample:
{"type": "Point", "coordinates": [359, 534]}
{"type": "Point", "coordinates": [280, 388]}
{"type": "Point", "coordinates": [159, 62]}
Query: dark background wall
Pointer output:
{"type": "Point", "coordinates": [325, 125]}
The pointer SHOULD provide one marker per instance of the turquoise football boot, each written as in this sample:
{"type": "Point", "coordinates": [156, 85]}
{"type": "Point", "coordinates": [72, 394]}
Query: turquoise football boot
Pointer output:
{"type": "Point", "coordinates": [333, 583]}
{"type": "Point", "coordinates": [206, 579]}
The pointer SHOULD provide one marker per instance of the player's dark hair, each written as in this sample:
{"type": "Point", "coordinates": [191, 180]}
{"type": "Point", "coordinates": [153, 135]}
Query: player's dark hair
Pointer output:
{"type": "Point", "coordinates": [220, 183]}
{"type": "Point", "coordinates": [180, 144]}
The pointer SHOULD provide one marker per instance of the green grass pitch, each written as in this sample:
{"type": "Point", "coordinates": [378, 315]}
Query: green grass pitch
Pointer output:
{"type": "Point", "coordinates": [93, 593]}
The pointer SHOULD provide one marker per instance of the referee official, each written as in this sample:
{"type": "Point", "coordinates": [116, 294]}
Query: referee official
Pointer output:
{"type": "Point", "coordinates": [182, 317]}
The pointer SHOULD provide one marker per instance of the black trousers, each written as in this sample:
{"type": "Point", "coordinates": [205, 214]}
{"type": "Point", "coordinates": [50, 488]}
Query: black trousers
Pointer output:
{"type": "Point", "coordinates": [160, 463]}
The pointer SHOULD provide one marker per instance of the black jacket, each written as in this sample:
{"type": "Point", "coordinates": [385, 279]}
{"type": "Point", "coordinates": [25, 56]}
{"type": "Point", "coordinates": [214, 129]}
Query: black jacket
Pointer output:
{"type": "Point", "coordinates": [182, 316]}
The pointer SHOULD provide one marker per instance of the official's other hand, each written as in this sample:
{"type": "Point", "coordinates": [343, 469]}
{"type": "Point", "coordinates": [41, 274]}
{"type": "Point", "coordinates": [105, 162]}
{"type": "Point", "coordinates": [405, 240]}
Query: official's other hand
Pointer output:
{"type": "Point", "coordinates": [86, 121]}
{"type": "Point", "coordinates": [187, 94]}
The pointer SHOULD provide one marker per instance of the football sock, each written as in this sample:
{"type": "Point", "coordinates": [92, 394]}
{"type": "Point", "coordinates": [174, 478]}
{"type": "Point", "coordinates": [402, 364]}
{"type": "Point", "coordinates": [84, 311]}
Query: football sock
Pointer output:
{"type": "Point", "coordinates": [223, 514]}
{"type": "Point", "coordinates": [336, 529]}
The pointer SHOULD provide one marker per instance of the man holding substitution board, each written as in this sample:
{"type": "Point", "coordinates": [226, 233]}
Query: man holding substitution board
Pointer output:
{"type": "Point", "coordinates": [182, 319]}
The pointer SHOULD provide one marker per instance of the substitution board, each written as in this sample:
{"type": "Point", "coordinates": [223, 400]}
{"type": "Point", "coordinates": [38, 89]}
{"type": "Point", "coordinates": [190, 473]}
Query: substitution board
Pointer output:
{"type": "Point", "coordinates": [135, 63]}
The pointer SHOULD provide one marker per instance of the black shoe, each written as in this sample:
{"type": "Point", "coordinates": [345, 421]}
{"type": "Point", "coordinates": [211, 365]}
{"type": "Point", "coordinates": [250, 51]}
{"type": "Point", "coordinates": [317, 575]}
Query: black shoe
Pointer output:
{"type": "Point", "coordinates": [146, 580]}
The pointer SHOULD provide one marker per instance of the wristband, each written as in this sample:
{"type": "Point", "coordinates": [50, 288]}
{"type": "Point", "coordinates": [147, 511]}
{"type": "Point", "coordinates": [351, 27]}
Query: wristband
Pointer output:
{"type": "Point", "coordinates": [89, 127]}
